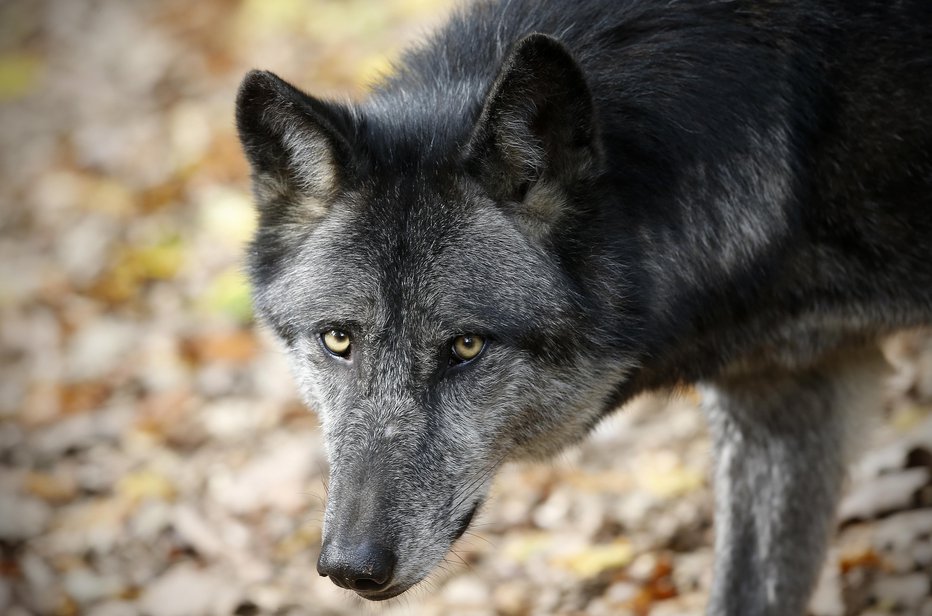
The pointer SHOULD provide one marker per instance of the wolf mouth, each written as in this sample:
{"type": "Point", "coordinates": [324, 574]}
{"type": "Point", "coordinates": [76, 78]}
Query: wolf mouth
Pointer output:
{"type": "Point", "coordinates": [382, 595]}
{"type": "Point", "coordinates": [465, 521]}
{"type": "Point", "coordinates": [391, 592]}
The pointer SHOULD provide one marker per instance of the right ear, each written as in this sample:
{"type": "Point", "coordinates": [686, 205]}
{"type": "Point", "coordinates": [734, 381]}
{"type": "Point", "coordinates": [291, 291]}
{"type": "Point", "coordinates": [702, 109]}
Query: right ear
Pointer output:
{"type": "Point", "coordinates": [536, 136]}
{"type": "Point", "coordinates": [297, 148]}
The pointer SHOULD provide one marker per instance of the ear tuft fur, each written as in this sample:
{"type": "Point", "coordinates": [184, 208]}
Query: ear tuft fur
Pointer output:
{"type": "Point", "coordinates": [536, 135]}
{"type": "Point", "coordinates": [295, 144]}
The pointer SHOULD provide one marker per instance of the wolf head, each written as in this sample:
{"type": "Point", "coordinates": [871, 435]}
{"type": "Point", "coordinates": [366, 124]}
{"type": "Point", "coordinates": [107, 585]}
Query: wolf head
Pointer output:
{"type": "Point", "coordinates": [423, 266]}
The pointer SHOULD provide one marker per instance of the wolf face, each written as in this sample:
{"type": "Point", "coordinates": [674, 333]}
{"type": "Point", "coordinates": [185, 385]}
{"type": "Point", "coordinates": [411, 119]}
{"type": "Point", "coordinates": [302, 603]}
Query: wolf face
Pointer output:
{"type": "Point", "coordinates": [420, 287]}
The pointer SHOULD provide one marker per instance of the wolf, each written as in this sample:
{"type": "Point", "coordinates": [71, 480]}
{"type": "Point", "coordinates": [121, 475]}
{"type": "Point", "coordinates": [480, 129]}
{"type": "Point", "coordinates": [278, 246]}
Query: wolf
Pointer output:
{"type": "Point", "coordinates": [551, 207]}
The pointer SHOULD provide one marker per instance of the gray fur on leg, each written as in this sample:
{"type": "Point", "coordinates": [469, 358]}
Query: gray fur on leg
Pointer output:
{"type": "Point", "coordinates": [781, 443]}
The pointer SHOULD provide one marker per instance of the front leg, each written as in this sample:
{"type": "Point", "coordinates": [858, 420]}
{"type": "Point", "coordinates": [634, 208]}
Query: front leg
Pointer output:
{"type": "Point", "coordinates": [781, 442]}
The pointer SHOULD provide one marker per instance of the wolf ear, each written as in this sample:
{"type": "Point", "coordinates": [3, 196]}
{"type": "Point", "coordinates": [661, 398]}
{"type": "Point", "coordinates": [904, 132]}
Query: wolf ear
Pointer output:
{"type": "Point", "coordinates": [296, 146]}
{"type": "Point", "coordinates": [537, 127]}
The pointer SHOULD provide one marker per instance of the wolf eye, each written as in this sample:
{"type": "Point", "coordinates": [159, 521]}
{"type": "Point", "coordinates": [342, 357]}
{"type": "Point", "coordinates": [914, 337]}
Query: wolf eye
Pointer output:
{"type": "Point", "coordinates": [337, 342]}
{"type": "Point", "coordinates": [467, 347]}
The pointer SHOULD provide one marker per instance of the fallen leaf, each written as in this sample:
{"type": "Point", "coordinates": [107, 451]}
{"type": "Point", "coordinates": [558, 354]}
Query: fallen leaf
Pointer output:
{"type": "Point", "coordinates": [884, 494]}
{"type": "Point", "coordinates": [144, 484]}
{"type": "Point", "coordinates": [228, 294]}
{"type": "Point", "coordinates": [596, 559]}
{"type": "Point", "coordinates": [19, 73]}
{"type": "Point", "coordinates": [137, 265]}
{"type": "Point", "coordinates": [522, 547]}
{"type": "Point", "coordinates": [50, 488]}
{"type": "Point", "coordinates": [908, 417]}
{"type": "Point", "coordinates": [868, 559]}
{"type": "Point", "coordinates": [160, 415]}
{"type": "Point", "coordinates": [664, 475]}
{"type": "Point", "coordinates": [158, 261]}
{"type": "Point", "coordinates": [162, 195]}
{"type": "Point", "coordinates": [82, 397]}
{"type": "Point", "coordinates": [232, 346]}
{"type": "Point", "coordinates": [228, 216]}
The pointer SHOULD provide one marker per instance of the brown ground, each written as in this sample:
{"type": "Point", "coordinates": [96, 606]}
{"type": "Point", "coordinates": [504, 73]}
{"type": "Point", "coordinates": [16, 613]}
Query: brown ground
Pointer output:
{"type": "Point", "coordinates": [153, 456]}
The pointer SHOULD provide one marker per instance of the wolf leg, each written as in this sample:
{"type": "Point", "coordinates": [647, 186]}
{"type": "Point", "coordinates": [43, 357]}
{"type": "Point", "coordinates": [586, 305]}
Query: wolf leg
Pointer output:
{"type": "Point", "coordinates": [781, 442]}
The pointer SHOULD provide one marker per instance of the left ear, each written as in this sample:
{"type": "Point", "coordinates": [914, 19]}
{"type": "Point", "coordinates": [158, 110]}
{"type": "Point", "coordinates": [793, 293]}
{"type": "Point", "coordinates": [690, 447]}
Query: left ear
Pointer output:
{"type": "Point", "coordinates": [537, 125]}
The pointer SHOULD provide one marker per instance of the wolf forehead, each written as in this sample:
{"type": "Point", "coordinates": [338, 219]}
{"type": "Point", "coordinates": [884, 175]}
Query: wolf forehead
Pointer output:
{"type": "Point", "coordinates": [386, 256]}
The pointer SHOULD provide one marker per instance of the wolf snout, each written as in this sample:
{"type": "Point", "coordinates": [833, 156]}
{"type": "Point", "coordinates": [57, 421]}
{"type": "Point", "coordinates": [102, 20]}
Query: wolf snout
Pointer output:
{"type": "Point", "coordinates": [365, 567]}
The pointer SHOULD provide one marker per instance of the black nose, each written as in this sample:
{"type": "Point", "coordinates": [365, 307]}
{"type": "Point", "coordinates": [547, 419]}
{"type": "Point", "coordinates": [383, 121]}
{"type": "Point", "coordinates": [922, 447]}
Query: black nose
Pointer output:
{"type": "Point", "coordinates": [366, 567]}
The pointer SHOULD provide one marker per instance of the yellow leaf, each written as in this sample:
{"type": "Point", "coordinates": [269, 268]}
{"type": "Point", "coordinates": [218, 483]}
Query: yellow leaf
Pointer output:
{"type": "Point", "coordinates": [272, 15]}
{"type": "Point", "coordinates": [18, 75]}
{"type": "Point", "coordinates": [596, 559]}
{"type": "Point", "coordinates": [526, 545]}
{"type": "Point", "coordinates": [664, 474]}
{"type": "Point", "coordinates": [906, 418]}
{"type": "Point", "coordinates": [160, 261]}
{"type": "Point", "coordinates": [136, 265]}
{"type": "Point", "coordinates": [373, 69]}
{"type": "Point", "coordinates": [672, 482]}
{"type": "Point", "coordinates": [229, 294]}
{"type": "Point", "coordinates": [228, 215]}
{"type": "Point", "coordinates": [144, 484]}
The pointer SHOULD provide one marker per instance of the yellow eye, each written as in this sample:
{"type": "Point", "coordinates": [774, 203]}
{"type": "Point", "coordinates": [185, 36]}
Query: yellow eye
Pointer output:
{"type": "Point", "coordinates": [336, 341]}
{"type": "Point", "coordinates": [467, 347]}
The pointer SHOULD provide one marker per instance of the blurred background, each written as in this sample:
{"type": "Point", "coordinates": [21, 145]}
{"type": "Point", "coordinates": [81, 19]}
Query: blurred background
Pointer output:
{"type": "Point", "coordinates": [154, 458]}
